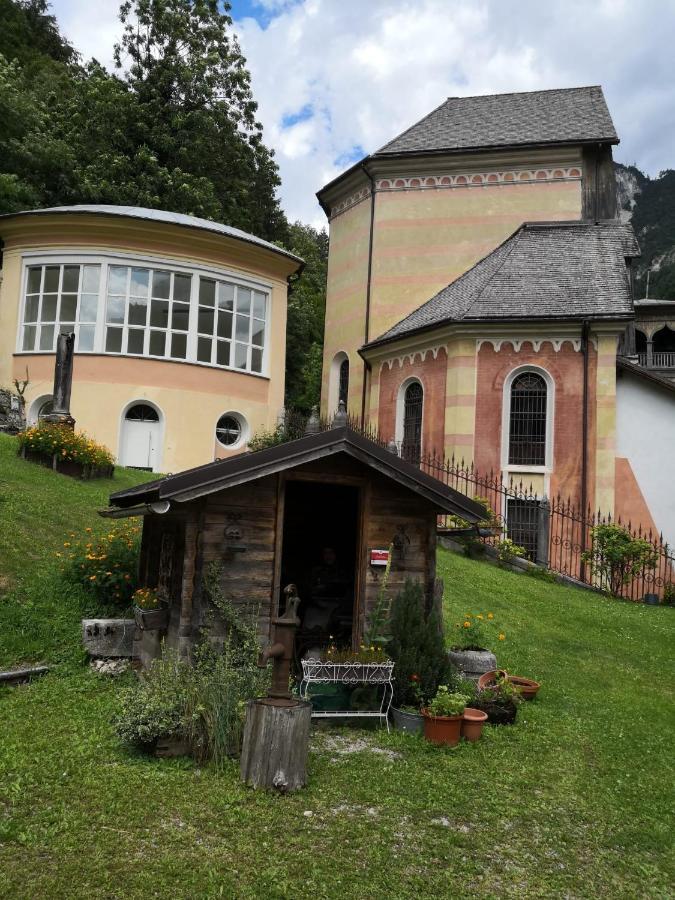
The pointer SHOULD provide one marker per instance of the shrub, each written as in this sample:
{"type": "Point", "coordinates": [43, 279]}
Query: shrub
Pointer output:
{"type": "Point", "coordinates": [476, 631]}
{"type": "Point", "coordinates": [105, 565]}
{"type": "Point", "coordinates": [446, 703]}
{"type": "Point", "coordinates": [507, 551]}
{"type": "Point", "coordinates": [265, 438]}
{"type": "Point", "coordinates": [67, 444]}
{"type": "Point", "coordinates": [417, 648]}
{"type": "Point", "coordinates": [616, 556]}
{"type": "Point", "coordinates": [203, 701]}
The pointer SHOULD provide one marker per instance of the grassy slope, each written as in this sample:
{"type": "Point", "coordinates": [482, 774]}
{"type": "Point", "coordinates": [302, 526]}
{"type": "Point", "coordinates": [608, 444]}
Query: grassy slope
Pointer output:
{"type": "Point", "coordinates": [575, 800]}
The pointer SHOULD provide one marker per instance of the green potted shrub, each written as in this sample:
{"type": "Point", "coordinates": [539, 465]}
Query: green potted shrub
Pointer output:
{"type": "Point", "coordinates": [443, 717]}
{"type": "Point", "coordinates": [150, 611]}
{"type": "Point", "coordinates": [417, 648]}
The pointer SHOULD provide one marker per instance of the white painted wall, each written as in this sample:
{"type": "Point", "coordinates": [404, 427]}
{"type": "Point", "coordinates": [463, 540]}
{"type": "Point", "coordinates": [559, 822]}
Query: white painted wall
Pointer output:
{"type": "Point", "coordinates": [645, 435]}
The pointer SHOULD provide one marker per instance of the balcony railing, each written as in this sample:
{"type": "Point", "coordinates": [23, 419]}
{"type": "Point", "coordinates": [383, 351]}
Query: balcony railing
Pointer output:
{"type": "Point", "coordinates": [661, 359]}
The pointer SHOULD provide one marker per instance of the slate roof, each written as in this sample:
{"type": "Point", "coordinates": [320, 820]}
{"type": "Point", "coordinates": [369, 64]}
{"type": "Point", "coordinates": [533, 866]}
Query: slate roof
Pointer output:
{"type": "Point", "coordinates": [551, 270]}
{"type": "Point", "coordinates": [245, 467]}
{"type": "Point", "coordinates": [158, 215]}
{"type": "Point", "coordinates": [563, 116]}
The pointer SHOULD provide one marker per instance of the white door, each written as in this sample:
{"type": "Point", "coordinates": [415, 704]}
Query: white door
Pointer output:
{"type": "Point", "coordinates": [139, 446]}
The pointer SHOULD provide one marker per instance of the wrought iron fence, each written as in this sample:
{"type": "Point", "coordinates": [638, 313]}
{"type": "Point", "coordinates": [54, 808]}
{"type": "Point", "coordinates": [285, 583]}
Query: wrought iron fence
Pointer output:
{"type": "Point", "coordinates": [554, 532]}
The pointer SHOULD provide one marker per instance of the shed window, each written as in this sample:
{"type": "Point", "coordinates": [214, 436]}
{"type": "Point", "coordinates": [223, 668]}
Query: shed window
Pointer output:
{"type": "Point", "coordinates": [527, 423]}
{"type": "Point", "coordinates": [412, 422]}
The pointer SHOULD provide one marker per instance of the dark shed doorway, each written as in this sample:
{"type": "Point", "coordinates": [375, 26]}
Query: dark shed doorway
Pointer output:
{"type": "Point", "coordinates": [319, 555]}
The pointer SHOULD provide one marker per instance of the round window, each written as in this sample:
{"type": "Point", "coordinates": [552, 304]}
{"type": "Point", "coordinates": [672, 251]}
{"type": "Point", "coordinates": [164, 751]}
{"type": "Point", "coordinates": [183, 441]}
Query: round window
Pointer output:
{"type": "Point", "coordinates": [228, 430]}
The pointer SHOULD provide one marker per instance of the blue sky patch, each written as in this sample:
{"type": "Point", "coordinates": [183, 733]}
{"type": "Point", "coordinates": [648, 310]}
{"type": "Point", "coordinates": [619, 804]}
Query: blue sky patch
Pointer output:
{"type": "Point", "coordinates": [254, 9]}
{"type": "Point", "coordinates": [350, 156]}
{"type": "Point", "coordinates": [301, 115]}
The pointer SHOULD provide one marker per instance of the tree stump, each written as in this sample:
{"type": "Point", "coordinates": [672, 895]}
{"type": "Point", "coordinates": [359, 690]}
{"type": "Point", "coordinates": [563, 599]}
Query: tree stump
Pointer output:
{"type": "Point", "coordinates": [276, 742]}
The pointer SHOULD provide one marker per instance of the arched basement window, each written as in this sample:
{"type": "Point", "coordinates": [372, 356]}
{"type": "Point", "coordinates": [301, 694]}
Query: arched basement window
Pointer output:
{"type": "Point", "coordinates": [142, 412]}
{"type": "Point", "coordinates": [527, 423]}
{"type": "Point", "coordinates": [343, 381]}
{"type": "Point", "coordinates": [412, 422]}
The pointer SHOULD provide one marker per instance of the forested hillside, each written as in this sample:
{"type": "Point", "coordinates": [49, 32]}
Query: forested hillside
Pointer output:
{"type": "Point", "coordinates": [649, 204]}
{"type": "Point", "coordinates": [174, 127]}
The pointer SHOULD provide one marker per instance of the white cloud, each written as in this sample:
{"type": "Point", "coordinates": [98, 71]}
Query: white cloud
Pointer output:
{"type": "Point", "coordinates": [368, 70]}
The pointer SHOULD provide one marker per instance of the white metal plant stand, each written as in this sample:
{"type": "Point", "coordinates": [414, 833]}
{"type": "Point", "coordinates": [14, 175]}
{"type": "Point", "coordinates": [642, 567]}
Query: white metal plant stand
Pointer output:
{"type": "Point", "coordinates": [318, 671]}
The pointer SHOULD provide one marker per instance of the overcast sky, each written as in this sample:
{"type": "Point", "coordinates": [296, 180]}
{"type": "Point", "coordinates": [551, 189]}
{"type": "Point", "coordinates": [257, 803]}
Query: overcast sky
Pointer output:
{"type": "Point", "coordinates": [336, 79]}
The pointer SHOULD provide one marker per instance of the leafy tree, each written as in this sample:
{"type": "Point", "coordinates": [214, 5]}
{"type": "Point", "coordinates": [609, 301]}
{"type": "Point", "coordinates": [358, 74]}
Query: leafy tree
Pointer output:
{"type": "Point", "coordinates": [306, 312]}
{"type": "Point", "coordinates": [30, 35]}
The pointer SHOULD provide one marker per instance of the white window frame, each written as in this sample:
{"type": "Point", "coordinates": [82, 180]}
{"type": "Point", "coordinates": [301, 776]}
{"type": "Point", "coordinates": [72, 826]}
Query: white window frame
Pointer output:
{"type": "Point", "coordinates": [547, 468]}
{"type": "Point", "coordinates": [400, 409]}
{"type": "Point", "coordinates": [243, 435]}
{"type": "Point", "coordinates": [105, 260]}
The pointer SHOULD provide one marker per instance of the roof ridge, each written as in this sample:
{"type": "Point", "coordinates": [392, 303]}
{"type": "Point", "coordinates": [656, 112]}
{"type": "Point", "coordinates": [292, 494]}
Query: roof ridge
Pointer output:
{"type": "Point", "coordinates": [512, 240]}
{"type": "Point", "coordinates": [578, 87]}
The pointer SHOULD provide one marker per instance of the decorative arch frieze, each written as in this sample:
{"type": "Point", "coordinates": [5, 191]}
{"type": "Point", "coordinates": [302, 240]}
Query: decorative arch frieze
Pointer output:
{"type": "Point", "coordinates": [413, 356]}
{"type": "Point", "coordinates": [474, 179]}
{"type": "Point", "coordinates": [536, 342]}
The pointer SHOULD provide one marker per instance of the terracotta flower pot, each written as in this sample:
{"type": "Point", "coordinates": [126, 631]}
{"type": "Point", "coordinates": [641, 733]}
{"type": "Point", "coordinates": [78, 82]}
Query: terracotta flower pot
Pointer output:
{"type": "Point", "coordinates": [472, 723]}
{"type": "Point", "coordinates": [442, 729]}
{"type": "Point", "coordinates": [526, 686]}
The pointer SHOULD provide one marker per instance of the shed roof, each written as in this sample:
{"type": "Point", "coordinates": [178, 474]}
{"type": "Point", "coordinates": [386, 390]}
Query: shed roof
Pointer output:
{"type": "Point", "coordinates": [550, 270]}
{"type": "Point", "coordinates": [158, 215]}
{"type": "Point", "coordinates": [246, 467]}
{"type": "Point", "coordinates": [561, 116]}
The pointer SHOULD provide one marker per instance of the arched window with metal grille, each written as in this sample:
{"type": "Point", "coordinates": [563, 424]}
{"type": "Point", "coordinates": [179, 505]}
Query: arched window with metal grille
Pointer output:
{"type": "Point", "coordinates": [527, 422]}
{"type": "Point", "coordinates": [413, 401]}
{"type": "Point", "coordinates": [343, 381]}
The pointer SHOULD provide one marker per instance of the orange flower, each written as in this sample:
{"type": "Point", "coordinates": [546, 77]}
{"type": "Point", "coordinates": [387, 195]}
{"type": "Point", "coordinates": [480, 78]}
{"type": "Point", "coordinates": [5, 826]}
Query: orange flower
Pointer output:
{"type": "Point", "coordinates": [502, 636]}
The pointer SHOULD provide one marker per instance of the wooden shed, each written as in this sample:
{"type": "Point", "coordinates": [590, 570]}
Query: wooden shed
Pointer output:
{"type": "Point", "coordinates": [319, 512]}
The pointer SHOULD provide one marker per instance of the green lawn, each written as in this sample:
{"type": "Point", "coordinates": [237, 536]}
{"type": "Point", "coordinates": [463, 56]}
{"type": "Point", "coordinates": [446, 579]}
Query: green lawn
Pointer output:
{"type": "Point", "coordinates": [575, 800]}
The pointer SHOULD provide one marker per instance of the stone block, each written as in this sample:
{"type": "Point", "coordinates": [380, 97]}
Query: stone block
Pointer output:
{"type": "Point", "coordinates": [105, 638]}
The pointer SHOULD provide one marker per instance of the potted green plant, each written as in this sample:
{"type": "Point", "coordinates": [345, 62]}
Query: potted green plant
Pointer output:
{"type": "Point", "coordinates": [472, 636]}
{"type": "Point", "coordinates": [150, 611]}
{"type": "Point", "coordinates": [443, 717]}
{"type": "Point", "coordinates": [500, 700]}
{"type": "Point", "coordinates": [417, 648]}
{"type": "Point", "coordinates": [527, 687]}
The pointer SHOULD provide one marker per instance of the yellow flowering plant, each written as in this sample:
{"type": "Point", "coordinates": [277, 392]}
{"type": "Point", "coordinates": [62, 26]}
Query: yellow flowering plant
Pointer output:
{"type": "Point", "coordinates": [105, 564]}
{"type": "Point", "coordinates": [66, 444]}
{"type": "Point", "coordinates": [476, 631]}
{"type": "Point", "coordinates": [146, 598]}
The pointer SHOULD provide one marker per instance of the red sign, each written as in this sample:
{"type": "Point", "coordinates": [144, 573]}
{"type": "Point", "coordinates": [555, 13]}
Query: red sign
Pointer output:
{"type": "Point", "coordinates": [379, 557]}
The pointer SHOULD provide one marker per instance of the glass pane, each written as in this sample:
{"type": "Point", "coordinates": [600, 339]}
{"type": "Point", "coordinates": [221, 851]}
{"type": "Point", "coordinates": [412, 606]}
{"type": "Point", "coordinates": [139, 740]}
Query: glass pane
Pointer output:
{"type": "Point", "coordinates": [224, 324]}
{"type": "Point", "coordinates": [205, 321]}
{"type": "Point", "coordinates": [115, 310]}
{"type": "Point", "coordinates": [88, 307]}
{"type": "Point", "coordinates": [204, 349]}
{"type": "Point", "coordinates": [66, 328]}
{"type": "Point", "coordinates": [180, 315]}
{"type": "Point", "coordinates": [243, 300]}
{"type": "Point", "coordinates": [29, 337]}
{"type": "Point", "coordinates": [47, 337]}
{"type": "Point", "coordinates": [161, 282]}
{"type": "Point", "coordinates": [225, 295]}
{"type": "Point", "coordinates": [258, 305]}
{"type": "Point", "coordinates": [138, 311]}
{"type": "Point", "coordinates": [68, 307]}
{"type": "Point", "coordinates": [243, 325]}
{"type": "Point", "coordinates": [179, 345]}
{"type": "Point", "coordinates": [85, 342]}
{"type": "Point", "coordinates": [51, 279]}
{"type": "Point", "coordinates": [140, 280]}
{"type": "Point", "coordinates": [256, 360]}
{"type": "Point", "coordinates": [207, 292]}
{"type": "Point", "coordinates": [157, 343]}
{"type": "Point", "coordinates": [117, 280]}
{"type": "Point", "coordinates": [48, 313]}
{"type": "Point", "coordinates": [113, 340]}
{"type": "Point", "coordinates": [258, 333]}
{"type": "Point", "coordinates": [71, 279]}
{"type": "Point", "coordinates": [223, 353]}
{"type": "Point", "coordinates": [159, 313]}
{"type": "Point", "coordinates": [30, 313]}
{"type": "Point", "coordinates": [181, 287]}
{"type": "Point", "coordinates": [91, 276]}
{"type": "Point", "coordinates": [240, 356]}
{"type": "Point", "coordinates": [135, 340]}
{"type": "Point", "coordinates": [34, 276]}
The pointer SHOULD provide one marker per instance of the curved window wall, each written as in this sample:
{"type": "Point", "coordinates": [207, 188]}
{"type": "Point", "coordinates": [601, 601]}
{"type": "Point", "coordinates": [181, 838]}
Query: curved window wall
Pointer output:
{"type": "Point", "coordinates": [140, 310]}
